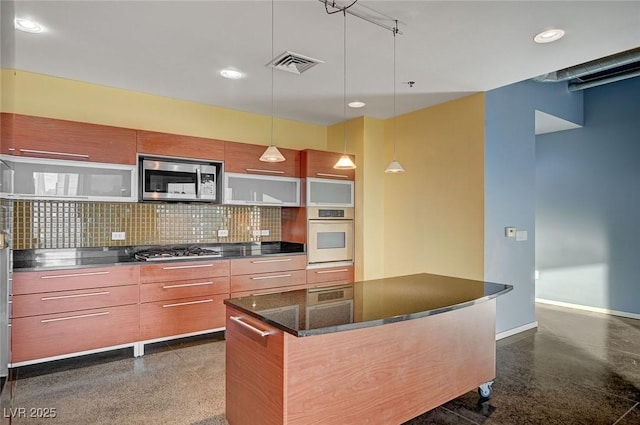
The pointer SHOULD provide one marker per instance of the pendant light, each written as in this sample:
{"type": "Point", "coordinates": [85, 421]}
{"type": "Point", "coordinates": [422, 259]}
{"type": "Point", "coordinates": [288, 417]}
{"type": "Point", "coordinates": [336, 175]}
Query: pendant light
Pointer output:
{"type": "Point", "coordinates": [345, 162]}
{"type": "Point", "coordinates": [394, 166]}
{"type": "Point", "coordinates": [272, 154]}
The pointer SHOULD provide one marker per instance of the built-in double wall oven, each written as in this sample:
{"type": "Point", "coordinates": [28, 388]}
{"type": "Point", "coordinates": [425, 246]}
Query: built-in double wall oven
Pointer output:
{"type": "Point", "coordinates": [330, 235]}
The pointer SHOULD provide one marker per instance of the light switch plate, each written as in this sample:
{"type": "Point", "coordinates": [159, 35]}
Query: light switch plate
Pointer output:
{"type": "Point", "coordinates": [522, 235]}
{"type": "Point", "coordinates": [256, 233]}
{"type": "Point", "coordinates": [223, 233]}
{"type": "Point", "coordinates": [118, 236]}
{"type": "Point", "coordinates": [264, 232]}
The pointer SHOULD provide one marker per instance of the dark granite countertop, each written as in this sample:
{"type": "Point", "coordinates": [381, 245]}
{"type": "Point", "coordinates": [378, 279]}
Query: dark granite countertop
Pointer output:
{"type": "Point", "coordinates": [363, 304]}
{"type": "Point", "coordinates": [69, 258]}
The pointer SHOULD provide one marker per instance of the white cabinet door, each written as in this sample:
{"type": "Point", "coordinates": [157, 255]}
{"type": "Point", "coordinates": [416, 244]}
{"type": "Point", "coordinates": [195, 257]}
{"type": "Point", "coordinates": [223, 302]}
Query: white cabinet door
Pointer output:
{"type": "Point", "coordinates": [251, 189]}
{"type": "Point", "coordinates": [37, 178]}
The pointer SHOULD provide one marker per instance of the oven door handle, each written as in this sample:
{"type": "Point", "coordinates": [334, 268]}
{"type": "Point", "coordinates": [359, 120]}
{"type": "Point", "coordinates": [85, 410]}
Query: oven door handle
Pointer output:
{"type": "Point", "coordinates": [198, 183]}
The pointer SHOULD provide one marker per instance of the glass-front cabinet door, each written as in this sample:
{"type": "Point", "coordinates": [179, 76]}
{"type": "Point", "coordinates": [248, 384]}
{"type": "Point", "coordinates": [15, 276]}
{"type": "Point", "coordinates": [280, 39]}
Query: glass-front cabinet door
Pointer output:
{"type": "Point", "coordinates": [250, 189]}
{"type": "Point", "coordinates": [36, 178]}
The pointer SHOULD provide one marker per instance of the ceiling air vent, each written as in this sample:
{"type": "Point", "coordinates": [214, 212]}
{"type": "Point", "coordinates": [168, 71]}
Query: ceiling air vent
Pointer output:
{"type": "Point", "coordinates": [293, 62]}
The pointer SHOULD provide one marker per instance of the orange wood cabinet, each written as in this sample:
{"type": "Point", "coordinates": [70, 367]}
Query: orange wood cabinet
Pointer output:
{"type": "Point", "coordinates": [182, 297]}
{"type": "Point", "coordinates": [267, 274]}
{"type": "Point", "coordinates": [385, 374]}
{"type": "Point", "coordinates": [25, 135]}
{"type": "Point", "coordinates": [320, 164]}
{"type": "Point", "coordinates": [245, 158]}
{"type": "Point", "coordinates": [58, 313]}
{"type": "Point", "coordinates": [330, 276]}
{"type": "Point", "coordinates": [165, 144]}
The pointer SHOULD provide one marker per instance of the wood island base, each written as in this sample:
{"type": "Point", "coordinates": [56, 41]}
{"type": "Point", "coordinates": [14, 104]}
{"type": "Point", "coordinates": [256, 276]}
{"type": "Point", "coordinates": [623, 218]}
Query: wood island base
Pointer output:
{"type": "Point", "coordinates": [385, 374]}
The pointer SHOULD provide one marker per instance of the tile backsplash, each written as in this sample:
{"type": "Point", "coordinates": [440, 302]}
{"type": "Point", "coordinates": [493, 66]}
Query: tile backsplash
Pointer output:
{"type": "Point", "coordinates": [71, 224]}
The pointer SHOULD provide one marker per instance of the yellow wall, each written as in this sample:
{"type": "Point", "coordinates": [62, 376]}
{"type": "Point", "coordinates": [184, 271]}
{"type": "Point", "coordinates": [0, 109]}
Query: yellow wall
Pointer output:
{"type": "Point", "coordinates": [434, 213]}
{"type": "Point", "coordinates": [46, 96]}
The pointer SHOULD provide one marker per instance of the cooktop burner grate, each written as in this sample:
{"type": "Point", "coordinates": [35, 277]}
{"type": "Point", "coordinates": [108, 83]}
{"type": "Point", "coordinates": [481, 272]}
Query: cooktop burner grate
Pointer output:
{"type": "Point", "coordinates": [176, 253]}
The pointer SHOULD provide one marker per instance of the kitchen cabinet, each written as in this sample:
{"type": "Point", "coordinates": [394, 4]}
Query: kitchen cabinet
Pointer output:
{"type": "Point", "coordinates": [315, 163]}
{"type": "Point", "coordinates": [245, 158]}
{"type": "Point", "coordinates": [267, 274]}
{"type": "Point", "coordinates": [38, 178]}
{"type": "Point", "coordinates": [60, 313]}
{"type": "Point", "coordinates": [182, 297]}
{"type": "Point", "coordinates": [39, 137]}
{"type": "Point", "coordinates": [330, 276]}
{"type": "Point", "coordinates": [165, 144]}
{"type": "Point", "coordinates": [246, 189]}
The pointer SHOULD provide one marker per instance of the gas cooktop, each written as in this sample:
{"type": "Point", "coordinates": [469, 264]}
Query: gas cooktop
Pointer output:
{"type": "Point", "coordinates": [176, 253]}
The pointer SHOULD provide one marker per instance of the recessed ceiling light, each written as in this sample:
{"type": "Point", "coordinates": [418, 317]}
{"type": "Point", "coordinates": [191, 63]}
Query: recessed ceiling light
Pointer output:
{"type": "Point", "coordinates": [548, 36]}
{"type": "Point", "coordinates": [356, 104]}
{"type": "Point", "coordinates": [232, 74]}
{"type": "Point", "coordinates": [28, 25]}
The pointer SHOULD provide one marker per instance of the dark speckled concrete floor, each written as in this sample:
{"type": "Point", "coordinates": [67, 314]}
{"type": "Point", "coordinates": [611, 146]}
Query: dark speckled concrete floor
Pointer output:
{"type": "Point", "coordinates": [577, 368]}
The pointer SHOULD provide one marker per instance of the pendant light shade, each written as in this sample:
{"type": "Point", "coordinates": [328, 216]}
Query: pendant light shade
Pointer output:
{"type": "Point", "coordinates": [394, 166]}
{"type": "Point", "coordinates": [272, 154]}
{"type": "Point", "coordinates": [345, 162]}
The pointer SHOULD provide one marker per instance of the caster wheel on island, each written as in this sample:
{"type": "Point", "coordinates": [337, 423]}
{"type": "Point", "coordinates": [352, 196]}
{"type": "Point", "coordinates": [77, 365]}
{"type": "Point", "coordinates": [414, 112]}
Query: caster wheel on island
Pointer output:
{"type": "Point", "coordinates": [485, 391]}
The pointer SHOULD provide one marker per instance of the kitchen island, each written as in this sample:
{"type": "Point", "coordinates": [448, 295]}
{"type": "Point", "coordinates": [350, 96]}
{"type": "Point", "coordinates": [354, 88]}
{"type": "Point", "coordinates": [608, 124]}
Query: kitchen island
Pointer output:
{"type": "Point", "coordinates": [374, 352]}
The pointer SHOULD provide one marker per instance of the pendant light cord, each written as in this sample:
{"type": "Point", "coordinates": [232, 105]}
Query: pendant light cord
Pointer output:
{"type": "Point", "coordinates": [395, 31]}
{"type": "Point", "coordinates": [272, 31]}
{"type": "Point", "coordinates": [344, 81]}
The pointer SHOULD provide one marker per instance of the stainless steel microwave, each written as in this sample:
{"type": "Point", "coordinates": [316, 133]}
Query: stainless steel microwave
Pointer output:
{"type": "Point", "coordinates": [178, 179]}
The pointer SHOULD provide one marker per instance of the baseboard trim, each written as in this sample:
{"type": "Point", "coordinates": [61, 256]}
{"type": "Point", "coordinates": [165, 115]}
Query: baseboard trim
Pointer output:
{"type": "Point", "coordinates": [517, 330]}
{"type": "Point", "coordinates": [589, 308]}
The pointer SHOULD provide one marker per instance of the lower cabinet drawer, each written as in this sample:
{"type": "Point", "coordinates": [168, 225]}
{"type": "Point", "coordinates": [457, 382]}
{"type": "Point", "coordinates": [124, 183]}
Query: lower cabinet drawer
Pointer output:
{"type": "Point", "coordinates": [267, 291]}
{"type": "Point", "coordinates": [330, 274]}
{"type": "Point", "coordinates": [159, 291]}
{"type": "Point", "coordinates": [62, 301]}
{"type": "Point", "coordinates": [268, 280]}
{"type": "Point", "coordinates": [50, 335]}
{"type": "Point", "coordinates": [181, 316]}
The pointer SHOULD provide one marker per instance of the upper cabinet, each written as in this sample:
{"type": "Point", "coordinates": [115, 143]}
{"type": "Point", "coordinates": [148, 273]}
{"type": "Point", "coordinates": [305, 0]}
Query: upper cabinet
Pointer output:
{"type": "Point", "coordinates": [245, 158]}
{"type": "Point", "coordinates": [165, 144]}
{"type": "Point", "coordinates": [320, 164]}
{"type": "Point", "coordinates": [24, 135]}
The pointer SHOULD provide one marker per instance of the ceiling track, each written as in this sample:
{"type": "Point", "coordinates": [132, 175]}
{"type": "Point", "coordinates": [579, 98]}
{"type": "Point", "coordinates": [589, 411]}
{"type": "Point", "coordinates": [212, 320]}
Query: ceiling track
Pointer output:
{"type": "Point", "coordinates": [362, 15]}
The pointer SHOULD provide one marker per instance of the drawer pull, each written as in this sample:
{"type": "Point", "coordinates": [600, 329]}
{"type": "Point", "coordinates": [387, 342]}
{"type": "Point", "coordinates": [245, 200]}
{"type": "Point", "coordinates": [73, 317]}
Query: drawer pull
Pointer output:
{"type": "Point", "coordinates": [75, 155]}
{"type": "Point", "coordinates": [61, 276]}
{"type": "Point", "coordinates": [280, 260]}
{"type": "Point", "coordinates": [253, 329]}
{"type": "Point", "coordinates": [340, 176]}
{"type": "Point", "coordinates": [197, 266]}
{"type": "Point", "coordinates": [187, 303]}
{"type": "Point", "coordinates": [332, 271]}
{"type": "Point", "coordinates": [62, 297]}
{"type": "Point", "coordinates": [270, 277]}
{"type": "Point", "coordinates": [257, 170]}
{"type": "Point", "coordinates": [80, 316]}
{"type": "Point", "coordinates": [184, 285]}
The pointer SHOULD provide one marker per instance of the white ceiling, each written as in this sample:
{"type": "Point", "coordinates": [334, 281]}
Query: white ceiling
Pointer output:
{"type": "Point", "coordinates": [449, 48]}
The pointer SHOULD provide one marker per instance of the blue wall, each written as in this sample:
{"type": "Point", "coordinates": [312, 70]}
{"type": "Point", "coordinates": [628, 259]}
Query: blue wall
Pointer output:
{"type": "Point", "coordinates": [588, 204]}
{"type": "Point", "coordinates": [510, 167]}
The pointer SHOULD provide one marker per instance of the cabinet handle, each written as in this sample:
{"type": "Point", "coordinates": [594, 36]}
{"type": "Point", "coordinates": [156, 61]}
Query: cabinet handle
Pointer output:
{"type": "Point", "coordinates": [61, 276]}
{"type": "Point", "coordinates": [62, 297]}
{"type": "Point", "coordinates": [75, 155]}
{"type": "Point", "coordinates": [184, 285]}
{"type": "Point", "coordinates": [279, 260]}
{"type": "Point", "coordinates": [198, 266]}
{"type": "Point", "coordinates": [253, 329]}
{"type": "Point", "coordinates": [80, 316]}
{"type": "Point", "coordinates": [257, 170]}
{"type": "Point", "coordinates": [332, 271]}
{"type": "Point", "coordinates": [187, 303]}
{"type": "Point", "coordinates": [270, 277]}
{"type": "Point", "coordinates": [340, 176]}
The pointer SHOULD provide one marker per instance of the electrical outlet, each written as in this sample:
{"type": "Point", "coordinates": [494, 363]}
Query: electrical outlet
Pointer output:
{"type": "Point", "coordinates": [256, 233]}
{"type": "Point", "coordinates": [510, 232]}
{"type": "Point", "coordinates": [264, 232]}
{"type": "Point", "coordinates": [118, 236]}
{"type": "Point", "coordinates": [223, 233]}
{"type": "Point", "coordinates": [522, 235]}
